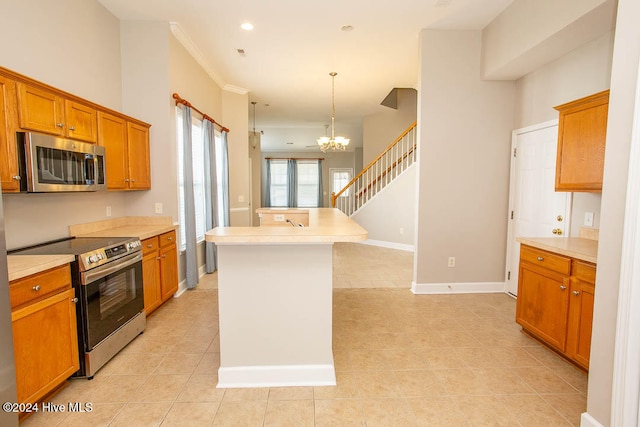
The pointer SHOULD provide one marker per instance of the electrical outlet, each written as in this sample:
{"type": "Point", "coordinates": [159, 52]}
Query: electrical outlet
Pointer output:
{"type": "Point", "coordinates": [108, 210]}
{"type": "Point", "coordinates": [241, 199]}
{"type": "Point", "coordinates": [588, 219]}
{"type": "Point", "coordinates": [279, 218]}
{"type": "Point", "coordinates": [158, 208]}
{"type": "Point", "coordinates": [452, 262]}
{"type": "Point", "coordinates": [401, 230]}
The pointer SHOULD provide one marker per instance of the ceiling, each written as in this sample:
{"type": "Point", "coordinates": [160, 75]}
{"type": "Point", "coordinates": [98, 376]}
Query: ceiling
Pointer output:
{"type": "Point", "coordinates": [296, 44]}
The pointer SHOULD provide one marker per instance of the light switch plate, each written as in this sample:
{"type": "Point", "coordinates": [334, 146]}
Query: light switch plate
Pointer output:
{"type": "Point", "coordinates": [588, 219]}
{"type": "Point", "coordinates": [108, 210]}
{"type": "Point", "coordinates": [158, 208]}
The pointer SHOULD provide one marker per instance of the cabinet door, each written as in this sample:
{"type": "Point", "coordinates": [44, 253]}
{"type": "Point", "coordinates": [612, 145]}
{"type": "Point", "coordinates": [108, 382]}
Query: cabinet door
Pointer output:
{"type": "Point", "coordinates": [8, 154]}
{"type": "Point", "coordinates": [139, 165]}
{"type": "Point", "coordinates": [581, 320]}
{"type": "Point", "coordinates": [543, 304]}
{"type": "Point", "coordinates": [45, 345]}
{"type": "Point", "coordinates": [40, 110]}
{"type": "Point", "coordinates": [582, 131]}
{"type": "Point", "coordinates": [112, 131]}
{"type": "Point", "coordinates": [151, 282]}
{"type": "Point", "coordinates": [81, 122]}
{"type": "Point", "coordinates": [169, 271]}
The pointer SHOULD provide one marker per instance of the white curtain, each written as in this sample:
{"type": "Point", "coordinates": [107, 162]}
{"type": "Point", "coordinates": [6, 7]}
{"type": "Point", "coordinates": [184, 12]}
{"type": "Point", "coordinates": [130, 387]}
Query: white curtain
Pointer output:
{"type": "Point", "coordinates": [189, 203]}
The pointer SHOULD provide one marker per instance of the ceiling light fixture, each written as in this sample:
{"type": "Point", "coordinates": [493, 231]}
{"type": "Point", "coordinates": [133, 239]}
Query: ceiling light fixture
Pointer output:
{"type": "Point", "coordinates": [334, 143]}
{"type": "Point", "coordinates": [247, 26]}
{"type": "Point", "coordinates": [254, 137]}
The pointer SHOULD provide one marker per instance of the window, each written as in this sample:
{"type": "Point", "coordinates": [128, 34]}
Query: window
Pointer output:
{"type": "Point", "coordinates": [340, 178]}
{"type": "Point", "coordinates": [279, 192]}
{"type": "Point", "coordinates": [307, 179]}
{"type": "Point", "coordinates": [307, 183]}
{"type": "Point", "coordinates": [198, 176]}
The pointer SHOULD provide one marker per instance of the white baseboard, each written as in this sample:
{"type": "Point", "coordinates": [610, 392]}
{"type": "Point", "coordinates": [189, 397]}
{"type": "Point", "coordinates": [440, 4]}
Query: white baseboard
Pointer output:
{"type": "Point", "coordinates": [182, 285]}
{"type": "Point", "coordinates": [587, 420]}
{"type": "Point", "coordinates": [388, 245]}
{"type": "Point", "coordinates": [276, 376]}
{"type": "Point", "coordinates": [457, 288]}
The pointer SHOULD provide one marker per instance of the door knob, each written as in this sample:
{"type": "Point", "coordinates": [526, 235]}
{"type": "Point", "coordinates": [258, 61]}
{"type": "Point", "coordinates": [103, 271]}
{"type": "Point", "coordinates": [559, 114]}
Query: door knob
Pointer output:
{"type": "Point", "coordinates": [557, 231]}
{"type": "Point", "coordinates": [559, 218]}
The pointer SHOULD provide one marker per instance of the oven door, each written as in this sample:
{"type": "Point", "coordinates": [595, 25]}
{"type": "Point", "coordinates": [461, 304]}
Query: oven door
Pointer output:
{"type": "Point", "coordinates": [111, 295]}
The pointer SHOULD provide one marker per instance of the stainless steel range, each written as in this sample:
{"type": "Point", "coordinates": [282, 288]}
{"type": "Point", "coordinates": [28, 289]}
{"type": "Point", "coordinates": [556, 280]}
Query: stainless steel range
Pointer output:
{"type": "Point", "coordinates": [107, 277]}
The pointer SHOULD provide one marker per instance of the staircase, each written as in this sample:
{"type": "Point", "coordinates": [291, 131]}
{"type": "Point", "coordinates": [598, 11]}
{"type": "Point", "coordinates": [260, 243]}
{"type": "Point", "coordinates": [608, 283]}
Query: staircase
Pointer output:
{"type": "Point", "coordinates": [392, 162]}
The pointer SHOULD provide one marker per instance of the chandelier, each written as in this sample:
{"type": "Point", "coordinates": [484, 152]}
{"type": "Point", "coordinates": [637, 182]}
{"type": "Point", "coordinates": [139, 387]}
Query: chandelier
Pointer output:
{"type": "Point", "coordinates": [334, 143]}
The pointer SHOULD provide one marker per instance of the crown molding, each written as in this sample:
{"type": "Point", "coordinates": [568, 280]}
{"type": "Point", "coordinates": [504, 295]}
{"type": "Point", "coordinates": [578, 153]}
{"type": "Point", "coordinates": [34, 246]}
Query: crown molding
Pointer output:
{"type": "Point", "coordinates": [193, 50]}
{"type": "Point", "coordinates": [235, 89]}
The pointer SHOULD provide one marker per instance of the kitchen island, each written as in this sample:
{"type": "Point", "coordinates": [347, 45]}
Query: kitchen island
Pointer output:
{"type": "Point", "coordinates": [275, 289]}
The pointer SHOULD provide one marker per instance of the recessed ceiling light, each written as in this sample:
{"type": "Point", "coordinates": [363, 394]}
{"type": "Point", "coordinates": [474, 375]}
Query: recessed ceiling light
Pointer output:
{"type": "Point", "coordinates": [347, 28]}
{"type": "Point", "coordinates": [247, 26]}
{"type": "Point", "coordinates": [289, 143]}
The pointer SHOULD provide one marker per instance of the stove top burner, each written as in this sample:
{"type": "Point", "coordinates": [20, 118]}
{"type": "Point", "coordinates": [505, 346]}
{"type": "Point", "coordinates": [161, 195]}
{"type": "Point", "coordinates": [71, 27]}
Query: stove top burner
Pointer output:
{"type": "Point", "coordinates": [89, 251]}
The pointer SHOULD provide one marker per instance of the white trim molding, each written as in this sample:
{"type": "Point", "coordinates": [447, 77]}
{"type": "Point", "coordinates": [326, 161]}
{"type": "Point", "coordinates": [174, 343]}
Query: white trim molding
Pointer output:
{"type": "Point", "coordinates": [276, 376]}
{"type": "Point", "coordinates": [457, 288]}
{"type": "Point", "coordinates": [587, 420]}
{"type": "Point", "coordinates": [388, 245]}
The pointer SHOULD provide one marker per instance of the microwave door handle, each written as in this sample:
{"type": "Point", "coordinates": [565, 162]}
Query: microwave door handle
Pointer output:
{"type": "Point", "coordinates": [100, 272]}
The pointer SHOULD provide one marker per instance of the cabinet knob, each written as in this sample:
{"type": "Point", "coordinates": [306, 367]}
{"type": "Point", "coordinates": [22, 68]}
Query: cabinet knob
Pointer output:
{"type": "Point", "coordinates": [126, 180]}
{"type": "Point", "coordinates": [150, 245]}
{"type": "Point", "coordinates": [16, 177]}
{"type": "Point", "coordinates": [159, 258]}
{"type": "Point", "coordinates": [169, 238]}
{"type": "Point", "coordinates": [74, 300]}
{"type": "Point", "coordinates": [60, 125]}
{"type": "Point", "coordinates": [576, 293]}
{"type": "Point", "coordinates": [72, 128]}
{"type": "Point", "coordinates": [540, 258]}
{"type": "Point", "coordinates": [164, 256]}
{"type": "Point", "coordinates": [36, 288]}
{"type": "Point", "coordinates": [133, 180]}
{"type": "Point", "coordinates": [563, 287]}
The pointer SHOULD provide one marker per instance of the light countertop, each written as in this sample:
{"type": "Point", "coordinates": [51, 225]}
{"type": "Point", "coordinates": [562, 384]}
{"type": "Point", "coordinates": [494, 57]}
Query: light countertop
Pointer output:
{"type": "Point", "coordinates": [326, 225]}
{"type": "Point", "coordinates": [132, 226]}
{"type": "Point", "coordinates": [20, 266]}
{"type": "Point", "coordinates": [574, 247]}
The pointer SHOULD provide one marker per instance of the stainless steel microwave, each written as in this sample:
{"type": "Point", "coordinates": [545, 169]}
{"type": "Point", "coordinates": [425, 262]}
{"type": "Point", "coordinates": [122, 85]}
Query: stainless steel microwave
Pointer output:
{"type": "Point", "coordinates": [50, 164]}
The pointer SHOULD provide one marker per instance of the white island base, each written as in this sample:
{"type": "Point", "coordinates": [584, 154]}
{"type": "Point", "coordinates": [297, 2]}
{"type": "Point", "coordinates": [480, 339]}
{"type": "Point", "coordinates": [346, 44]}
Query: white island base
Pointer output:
{"type": "Point", "coordinates": [275, 304]}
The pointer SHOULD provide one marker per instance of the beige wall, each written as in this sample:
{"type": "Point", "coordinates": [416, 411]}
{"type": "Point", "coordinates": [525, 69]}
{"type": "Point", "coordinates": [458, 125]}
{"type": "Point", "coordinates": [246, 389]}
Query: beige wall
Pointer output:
{"type": "Point", "coordinates": [235, 116]}
{"type": "Point", "coordinates": [584, 71]}
{"type": "Point", "coordinates": [624, 77]}
{"type": "Point", "coordinates": [381, 129]}
{"type": "Point", "coordinates": [463, 177]}
{"type": "Point", "coordinates": [83, 39]}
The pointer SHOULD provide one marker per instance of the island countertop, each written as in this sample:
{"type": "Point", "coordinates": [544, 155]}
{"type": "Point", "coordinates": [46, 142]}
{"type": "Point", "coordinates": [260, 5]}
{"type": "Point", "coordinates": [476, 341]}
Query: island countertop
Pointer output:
{"type": "Point", "coordinates": [574, 247]}
{"type": "Point", "coordinates": [326, 225]}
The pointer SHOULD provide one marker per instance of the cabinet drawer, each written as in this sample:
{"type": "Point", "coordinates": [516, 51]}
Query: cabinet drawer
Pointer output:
{"type": "Point", "coordinates": [167, 239]}
{"type": "Point", "coordinates": [551, 261]}
{"type": "Point", "coordinates": [584, 271]}
{"type": "Point", "coordinates": [37, 286]}
{"type": "Point", "coordinates": [149, 245]}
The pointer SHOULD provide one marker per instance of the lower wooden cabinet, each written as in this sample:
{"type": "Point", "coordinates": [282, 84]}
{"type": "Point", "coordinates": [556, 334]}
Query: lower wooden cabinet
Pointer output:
{"type": "Point", "coordinates": [555, 301]}
{"type": "Point", "coordinates": [45, 340]}
{"type": "Point", "coordinates": [159, 270]}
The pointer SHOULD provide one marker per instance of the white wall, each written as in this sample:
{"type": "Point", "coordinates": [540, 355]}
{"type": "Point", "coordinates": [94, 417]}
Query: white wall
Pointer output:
{"type": "Point", "coordinates": [235, 116]}
{"type": "Point", "coordinates": [390, 210]}
{"type": "Point", "coordinates": [464, 140]}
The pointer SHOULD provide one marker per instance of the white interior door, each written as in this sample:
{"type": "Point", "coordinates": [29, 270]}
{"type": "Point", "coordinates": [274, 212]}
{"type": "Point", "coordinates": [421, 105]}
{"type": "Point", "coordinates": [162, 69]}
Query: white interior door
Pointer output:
{"type": "Point", "coordinates": [536, 209]}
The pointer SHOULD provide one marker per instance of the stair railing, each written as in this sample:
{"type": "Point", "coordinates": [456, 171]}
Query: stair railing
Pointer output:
{"type": "Point", "coordinates": [389, 164]}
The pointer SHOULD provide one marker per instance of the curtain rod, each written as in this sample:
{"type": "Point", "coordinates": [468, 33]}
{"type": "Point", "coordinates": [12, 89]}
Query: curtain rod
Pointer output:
{"type": "Point", "coordinates": [182, 101]}
{"type": "Point", "coordinates": [294, 158]}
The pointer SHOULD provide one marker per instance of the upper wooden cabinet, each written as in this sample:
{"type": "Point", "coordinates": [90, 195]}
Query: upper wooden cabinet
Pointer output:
{"type": "Point", "coordinates": [8, 156]}
{"type": "Point", "coordinates": [582, 131]}
{"type": "Point", "coordinates": [127, 152]}
{"type": "Point", "coordinates": [28, 105]}
{"type": "Point", "coordinates": [48, 112]}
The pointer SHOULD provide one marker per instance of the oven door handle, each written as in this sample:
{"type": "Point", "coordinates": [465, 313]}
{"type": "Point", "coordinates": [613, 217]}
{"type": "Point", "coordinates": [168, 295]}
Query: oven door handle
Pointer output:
{"type": "Point", "coordinates": [100, 272]}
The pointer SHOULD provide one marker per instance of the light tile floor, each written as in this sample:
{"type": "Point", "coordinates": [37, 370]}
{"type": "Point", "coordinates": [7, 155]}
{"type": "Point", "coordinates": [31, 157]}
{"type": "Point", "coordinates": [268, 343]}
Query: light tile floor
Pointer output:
{"type": "Point", "coordinates": [401, 360]}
